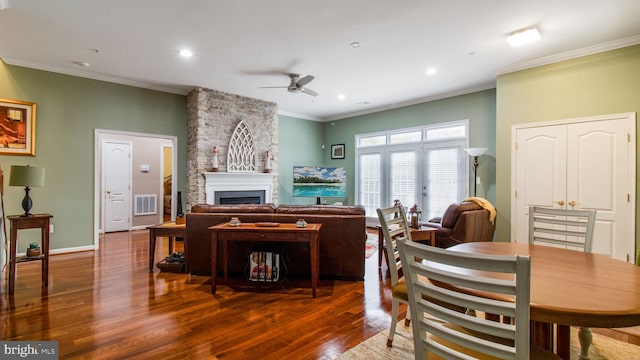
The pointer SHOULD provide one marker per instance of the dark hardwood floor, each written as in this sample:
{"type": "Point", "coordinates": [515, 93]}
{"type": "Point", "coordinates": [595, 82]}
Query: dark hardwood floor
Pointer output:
{"type": "Point", "coordinates": [106, 305]}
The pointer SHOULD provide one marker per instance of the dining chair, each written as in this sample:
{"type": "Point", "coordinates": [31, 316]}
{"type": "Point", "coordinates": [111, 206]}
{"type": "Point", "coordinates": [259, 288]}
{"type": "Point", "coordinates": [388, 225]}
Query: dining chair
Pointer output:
{"type": "Point", "coordinates": [393, 222]}
{"type": "Point", "coordinates": [568, 228]}
{"type": "Point", "coordinates": [500, 285]}
{"type": "Point", "coordinates": [572, 229]}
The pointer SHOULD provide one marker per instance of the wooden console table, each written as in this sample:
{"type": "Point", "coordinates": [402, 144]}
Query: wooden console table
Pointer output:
{"type": "Point", "coordinates": [37, 221]}
{"type": "Point", "coordinates": [171, 231]}
{"type": "Point", "coordinates": [252, 233]}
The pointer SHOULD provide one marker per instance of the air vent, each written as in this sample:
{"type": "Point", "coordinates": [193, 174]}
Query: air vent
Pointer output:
{"type": "Point", "coordinates": [146, 204]}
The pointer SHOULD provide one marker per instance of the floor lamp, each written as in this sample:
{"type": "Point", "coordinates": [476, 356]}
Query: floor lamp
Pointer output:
{"type": "Point", "coordinates": [475, 152]}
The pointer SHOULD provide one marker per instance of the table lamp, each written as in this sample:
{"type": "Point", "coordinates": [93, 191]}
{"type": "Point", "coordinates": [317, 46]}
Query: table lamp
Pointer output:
{"type": "Point", "coordinates": [475, 152]}
{"type": "Point", "coordinates": [27, 176]}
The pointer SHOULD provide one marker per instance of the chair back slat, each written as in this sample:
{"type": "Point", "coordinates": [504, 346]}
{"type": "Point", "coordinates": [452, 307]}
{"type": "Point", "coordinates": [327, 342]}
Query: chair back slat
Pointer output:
{"type": "Point", "coordinates": [393, 222]}
{"type": "Point", "coordinates": [493, 284]}
{"type": "Point", "coordinates": [560, 227]}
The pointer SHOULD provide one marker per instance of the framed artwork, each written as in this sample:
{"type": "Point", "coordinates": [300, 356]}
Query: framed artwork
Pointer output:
{"type": "Point", "coordinates": [337, 151]}
{"type": "Point", "coordinates": [17, 127]}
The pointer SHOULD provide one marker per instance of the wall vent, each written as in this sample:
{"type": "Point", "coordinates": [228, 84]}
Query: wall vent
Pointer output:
{"type": "Point", "coordinates": [146, 204]}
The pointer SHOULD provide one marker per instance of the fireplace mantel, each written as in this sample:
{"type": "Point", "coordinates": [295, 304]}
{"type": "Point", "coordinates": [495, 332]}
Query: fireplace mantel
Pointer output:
{"type": "Point", "coordinates": [238, 181]}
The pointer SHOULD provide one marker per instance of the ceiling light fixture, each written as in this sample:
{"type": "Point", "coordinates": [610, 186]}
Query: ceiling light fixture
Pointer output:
{"type": "Point", "coordinates": [341, 97]}
{"type": "Point", "coordinates": [431, 71]}
{"type": "Point", "coordinates": [81, 63]}
{"type": "Point", "coordinates": [524, 36]}
{"type": "Point", "coordinates": [355, 44]}
{"type": "Point", "coordinates": [186, 53]}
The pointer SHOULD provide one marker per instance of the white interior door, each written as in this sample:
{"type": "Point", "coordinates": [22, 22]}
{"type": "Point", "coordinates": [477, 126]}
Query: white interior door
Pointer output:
{"type": "Point", "coordinates": [541, 172]}
{"type": "Point", "coordinates": [588, 164]}
{"type": "Point", "coordinates": [116, 173]}
{"type": "Point", "coordinates": [597, 179]}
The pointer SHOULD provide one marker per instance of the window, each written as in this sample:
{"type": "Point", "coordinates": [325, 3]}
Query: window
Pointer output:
{"type": "Point", "coordinates": [370, 179]}
{"type": "Point", "coordinates": [425, 166]}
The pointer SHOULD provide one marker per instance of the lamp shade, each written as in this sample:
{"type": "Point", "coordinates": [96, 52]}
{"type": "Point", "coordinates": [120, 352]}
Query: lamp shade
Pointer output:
{"type": "Point", "coordinates": [31, 176]}
{"type": "Point", "coordinates": [476, 151]}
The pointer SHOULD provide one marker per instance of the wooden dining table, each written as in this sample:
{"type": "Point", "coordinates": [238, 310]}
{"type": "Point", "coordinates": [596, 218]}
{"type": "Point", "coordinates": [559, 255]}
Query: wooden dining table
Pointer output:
{"type": "Point", "coordinates": [572, 288]}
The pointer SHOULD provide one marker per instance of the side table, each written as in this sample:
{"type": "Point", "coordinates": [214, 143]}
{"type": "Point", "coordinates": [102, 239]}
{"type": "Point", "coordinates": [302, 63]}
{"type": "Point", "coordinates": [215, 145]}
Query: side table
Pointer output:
{"type": "Point", "coordinates": [422, 235]}
{"type": "Point", "coordinates": [171, 231]}
{"type": "Point", "coordinates": [37, 221]}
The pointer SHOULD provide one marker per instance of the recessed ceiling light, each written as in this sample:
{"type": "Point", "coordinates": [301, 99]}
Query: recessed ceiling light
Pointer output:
{"type": "Point", "coordinates": [524, 36]}
{"type": "Point", "coordinates": [355, 44]}
{"type": "Point", "coordinates": [341, 97]}
{"type": "Point", "coordinates": [81, 63]}
{"type": "Point", "coordinates": [431, 71]}
{"type": "Point", "coordinates": [186, 53]}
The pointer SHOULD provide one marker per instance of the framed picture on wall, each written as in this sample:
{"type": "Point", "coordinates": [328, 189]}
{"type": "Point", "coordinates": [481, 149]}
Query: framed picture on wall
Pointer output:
{"type": "Point", "coordinates": [17, 127]}
{"type": "Point", "coordinates": [337, 151]}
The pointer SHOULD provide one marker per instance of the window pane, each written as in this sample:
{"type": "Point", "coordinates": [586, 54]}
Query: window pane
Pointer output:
{"type": "Point", "coordinates": [372, 141]}
{"type": "Point", "coordinates": [442, 182]}
{"type": "Point", "coordinates": [446, 132]}
{"type": "Point", "coordinates": [369, 186]}
{"type": "Point", "coordinates": [403, 177]}
{"type": "Point", "coordinates": [408, 137]}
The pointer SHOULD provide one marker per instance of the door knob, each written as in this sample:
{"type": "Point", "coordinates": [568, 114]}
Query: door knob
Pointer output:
{"type": "Point", "coordinates": [108, 191]}
{"type": "Point", "coordinates": [573, 203]}
{"type": "Point", "coordinates": [559, 202]}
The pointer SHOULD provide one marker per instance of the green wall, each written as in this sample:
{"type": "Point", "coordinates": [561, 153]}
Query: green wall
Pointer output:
{"type": "Point", "coordinates": [300, 144]}
{"type": "Point", "coordinates": [605, 83]}
{"type": "Point", "coordinates": [478, 108]}
{"type": "Point", "coordinates": [69, 109]}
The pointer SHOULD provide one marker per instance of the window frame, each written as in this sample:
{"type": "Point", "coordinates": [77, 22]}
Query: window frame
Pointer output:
{"type": "Point", "coordinates": [420, 147]}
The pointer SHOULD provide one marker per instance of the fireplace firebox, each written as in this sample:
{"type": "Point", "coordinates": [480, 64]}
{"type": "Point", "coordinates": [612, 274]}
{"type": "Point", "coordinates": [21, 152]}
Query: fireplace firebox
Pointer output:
{"type": "Point", "coordinates": [239, 197]}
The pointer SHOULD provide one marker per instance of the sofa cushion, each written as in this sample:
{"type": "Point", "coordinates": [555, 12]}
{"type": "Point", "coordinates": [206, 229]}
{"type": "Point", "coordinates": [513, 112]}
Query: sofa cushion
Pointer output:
{"type": "Point", "coordinates": [234, 208]}
{"type": "Point", "coordinates": [321, 209]}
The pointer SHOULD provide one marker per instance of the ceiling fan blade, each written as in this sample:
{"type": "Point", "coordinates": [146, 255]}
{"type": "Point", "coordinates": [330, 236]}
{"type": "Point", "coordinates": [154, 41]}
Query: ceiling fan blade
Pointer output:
{"type": "Point", "coordinates": [305, 80]}
{"type": "Point", "coordinates": [272, 87]}
{"type": "Point", "coordinates": [309, 92]}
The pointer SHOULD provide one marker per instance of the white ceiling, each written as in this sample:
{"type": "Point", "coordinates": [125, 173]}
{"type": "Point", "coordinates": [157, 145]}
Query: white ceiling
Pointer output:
{"type": "Point", "coordinates": [242, 45]}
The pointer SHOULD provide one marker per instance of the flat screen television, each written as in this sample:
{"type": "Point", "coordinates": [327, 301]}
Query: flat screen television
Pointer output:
{"type": "Point", "coordinates": [319, 182]}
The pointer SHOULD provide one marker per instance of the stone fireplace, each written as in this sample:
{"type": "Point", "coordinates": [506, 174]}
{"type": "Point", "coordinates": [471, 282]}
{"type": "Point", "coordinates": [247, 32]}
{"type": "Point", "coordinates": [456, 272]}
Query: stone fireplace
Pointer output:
{"type": "Point", "coordinates": [211, 118]}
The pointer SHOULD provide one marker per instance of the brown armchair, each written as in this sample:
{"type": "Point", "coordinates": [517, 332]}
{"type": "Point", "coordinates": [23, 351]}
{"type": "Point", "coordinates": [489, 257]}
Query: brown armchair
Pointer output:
{"type": "Point", "coordinates": [462, 222]}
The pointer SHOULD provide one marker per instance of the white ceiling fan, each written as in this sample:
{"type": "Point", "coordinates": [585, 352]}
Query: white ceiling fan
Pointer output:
{"type": "Point", "coordinates": [297, 85]}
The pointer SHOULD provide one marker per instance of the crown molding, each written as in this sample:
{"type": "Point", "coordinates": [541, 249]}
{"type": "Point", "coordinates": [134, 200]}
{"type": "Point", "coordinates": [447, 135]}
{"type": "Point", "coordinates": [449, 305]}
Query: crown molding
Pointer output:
{"type": "Point", "coordinates": [93, 76]}
{"type": "Point", "coordinates": [573, 54]}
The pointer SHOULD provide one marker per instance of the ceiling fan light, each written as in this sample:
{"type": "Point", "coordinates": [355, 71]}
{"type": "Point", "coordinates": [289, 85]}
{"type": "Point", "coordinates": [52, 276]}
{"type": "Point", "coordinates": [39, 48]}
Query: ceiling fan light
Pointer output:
{"type": "Point", "coordinates": [523, 37]}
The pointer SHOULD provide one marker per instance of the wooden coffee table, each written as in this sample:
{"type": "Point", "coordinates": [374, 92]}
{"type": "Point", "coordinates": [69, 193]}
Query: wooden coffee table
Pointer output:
{"type": "Point", "coordinates": [423, 234]}
{"type": "Point", "coordinates": [253, 233]}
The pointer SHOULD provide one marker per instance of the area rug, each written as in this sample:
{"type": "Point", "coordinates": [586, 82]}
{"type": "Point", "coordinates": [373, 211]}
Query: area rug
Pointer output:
{"type": "Point", "coordinates": [371, 245]}
{"type": "Point", "coordinates": [603, 348]}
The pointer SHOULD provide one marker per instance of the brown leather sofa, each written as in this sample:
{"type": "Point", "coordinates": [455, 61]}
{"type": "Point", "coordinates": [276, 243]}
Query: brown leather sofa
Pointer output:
{"type": "Point", "coordinates": [342, 237]}
{"type": "Point", "coordinates": [462, 222]}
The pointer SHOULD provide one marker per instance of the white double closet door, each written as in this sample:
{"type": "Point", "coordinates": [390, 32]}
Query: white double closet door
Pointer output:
{"type": "Point", "coordinates": [586, 163]}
